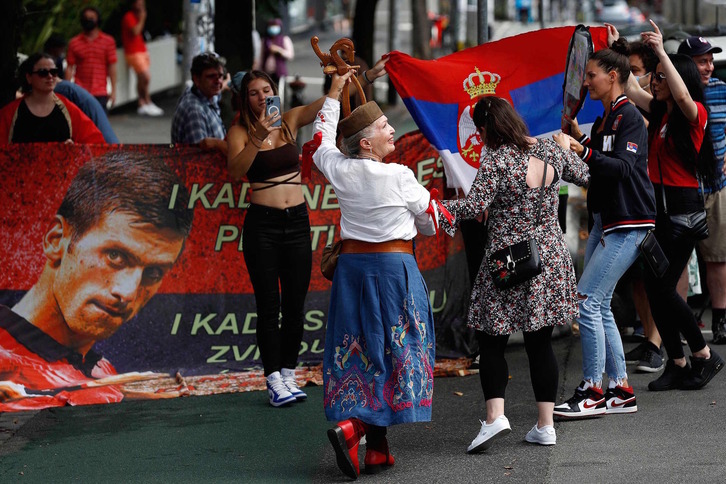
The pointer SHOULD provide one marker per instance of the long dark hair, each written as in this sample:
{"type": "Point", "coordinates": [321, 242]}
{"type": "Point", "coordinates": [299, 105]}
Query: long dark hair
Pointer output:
{"type": "Point", "coordinates": [703, 163]}
{"type": "Point", "coordinates": [247, 118]}
{"type": "Point", "coordinates": [26, 68]}
{"type": "Point", "coordinates": [501, 123]}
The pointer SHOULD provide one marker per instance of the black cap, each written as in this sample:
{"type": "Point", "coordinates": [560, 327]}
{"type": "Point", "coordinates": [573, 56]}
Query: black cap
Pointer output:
{"type": "Point", "coordinates": [695, 45]}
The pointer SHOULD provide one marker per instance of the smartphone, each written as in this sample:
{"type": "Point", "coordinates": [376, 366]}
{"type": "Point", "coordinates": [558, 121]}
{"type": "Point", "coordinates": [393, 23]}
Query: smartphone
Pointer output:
{"type": "Point", "coordinates": [272, 104]}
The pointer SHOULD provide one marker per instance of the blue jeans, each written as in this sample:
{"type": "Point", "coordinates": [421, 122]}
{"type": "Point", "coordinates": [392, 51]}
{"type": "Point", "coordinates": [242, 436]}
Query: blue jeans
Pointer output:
{"type": "Point", "coordinates": [606, 260]}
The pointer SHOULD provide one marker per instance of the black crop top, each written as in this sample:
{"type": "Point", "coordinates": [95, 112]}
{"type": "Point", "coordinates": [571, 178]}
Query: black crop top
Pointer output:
{"type": "Point", "coordinates": [273, 163]}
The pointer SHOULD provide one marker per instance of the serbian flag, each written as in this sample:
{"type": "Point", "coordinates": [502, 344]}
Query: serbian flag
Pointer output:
{"type": "Point", "coordinates": [526, 69]}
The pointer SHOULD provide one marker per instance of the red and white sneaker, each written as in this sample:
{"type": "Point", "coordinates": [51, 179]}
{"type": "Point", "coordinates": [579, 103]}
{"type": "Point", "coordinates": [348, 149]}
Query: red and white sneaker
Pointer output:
{"type": "Point", "coordinates": [620, 400]}
{"type": "Point", "coordinates": [587, 402]}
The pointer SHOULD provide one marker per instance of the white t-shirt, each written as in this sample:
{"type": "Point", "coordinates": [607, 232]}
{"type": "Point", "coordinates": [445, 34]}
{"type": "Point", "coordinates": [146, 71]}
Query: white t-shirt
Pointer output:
{"type": "Point", "coordinates": [378, 201]}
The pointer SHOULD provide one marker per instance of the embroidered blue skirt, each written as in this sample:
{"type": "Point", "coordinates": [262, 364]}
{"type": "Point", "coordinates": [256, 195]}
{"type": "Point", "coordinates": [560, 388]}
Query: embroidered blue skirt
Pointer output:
{"type": "Point", "coordinates": [380, 344]}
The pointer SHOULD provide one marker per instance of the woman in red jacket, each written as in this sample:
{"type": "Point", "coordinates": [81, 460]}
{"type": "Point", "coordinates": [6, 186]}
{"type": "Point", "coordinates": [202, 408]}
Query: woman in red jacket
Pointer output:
{"type": "Point", "coordinates": [41, 116]}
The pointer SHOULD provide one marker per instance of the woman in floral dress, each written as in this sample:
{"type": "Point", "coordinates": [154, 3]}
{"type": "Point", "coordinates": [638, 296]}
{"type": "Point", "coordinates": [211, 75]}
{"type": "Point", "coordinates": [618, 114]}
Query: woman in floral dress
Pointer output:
{"type": "Point", "coordinates": [507, 186]}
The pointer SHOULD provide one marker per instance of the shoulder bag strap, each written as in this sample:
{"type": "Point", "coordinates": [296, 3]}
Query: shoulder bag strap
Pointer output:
{"type": "Point", "coordinates": [662, 187]}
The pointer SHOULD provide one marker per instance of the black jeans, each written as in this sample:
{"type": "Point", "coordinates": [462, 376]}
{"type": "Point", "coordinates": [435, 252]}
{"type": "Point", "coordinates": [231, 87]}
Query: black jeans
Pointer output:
{"type": "Point", "coordinates": [494, 371]}
{"type": "Point", "coordinates": [671, 313]}
{"type": "Point", "coordinates": [277, 251]}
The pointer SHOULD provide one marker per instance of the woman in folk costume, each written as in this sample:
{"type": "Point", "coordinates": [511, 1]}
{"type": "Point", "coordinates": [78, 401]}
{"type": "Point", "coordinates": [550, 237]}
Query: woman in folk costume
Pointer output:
{"type": "Point", "coordinates": [379, 346]}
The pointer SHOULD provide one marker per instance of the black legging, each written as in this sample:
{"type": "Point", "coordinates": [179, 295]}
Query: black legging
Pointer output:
{"type": "Point", "coordinates": [494, 372]}
{"type": "Point", "coordinates": [671, 313]}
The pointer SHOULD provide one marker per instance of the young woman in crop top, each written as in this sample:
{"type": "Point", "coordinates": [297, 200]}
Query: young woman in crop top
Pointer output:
{"type": "Point", "coordinates": [276, 237]}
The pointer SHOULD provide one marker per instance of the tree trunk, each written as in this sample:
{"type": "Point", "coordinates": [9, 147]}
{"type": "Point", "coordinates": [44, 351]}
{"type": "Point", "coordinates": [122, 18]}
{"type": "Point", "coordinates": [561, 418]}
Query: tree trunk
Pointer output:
{"type": "Point", "coordinates": [421, 35]}
{"type": "Point", "coordinates": [364, 29]}
{"type": "Point", "coordinates": [11, 21]}
{"type": "Point", "coordinates": [233, 33]}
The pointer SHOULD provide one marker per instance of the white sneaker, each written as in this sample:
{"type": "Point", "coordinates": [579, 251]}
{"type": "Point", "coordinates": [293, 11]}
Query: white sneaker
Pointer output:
{"type": "Point", "coordinates": [154, 110]}
{"type": "Point", "coordinates": [288, 377]}
{"type": "Point", "coordinates": [488, 433]}
{"type": "Point", "coordinates": [542, 436]}
{"type": "Point", "coordinates": [277, 390]}
{"type": "Point", "coordinates": [150, 109]}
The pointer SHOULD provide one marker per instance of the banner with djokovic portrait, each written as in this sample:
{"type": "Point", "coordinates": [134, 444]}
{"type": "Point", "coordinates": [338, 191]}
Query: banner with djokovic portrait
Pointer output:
{"type": "Point", "coordinates": [151, 291]}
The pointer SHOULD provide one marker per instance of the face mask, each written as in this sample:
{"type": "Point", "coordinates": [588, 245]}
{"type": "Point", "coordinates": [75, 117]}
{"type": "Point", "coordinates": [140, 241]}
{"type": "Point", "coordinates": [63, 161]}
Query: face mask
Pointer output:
{"type": "Point", "coordinates": [274, 30]}
{"type": "Point", "coordinates": [88, 24]}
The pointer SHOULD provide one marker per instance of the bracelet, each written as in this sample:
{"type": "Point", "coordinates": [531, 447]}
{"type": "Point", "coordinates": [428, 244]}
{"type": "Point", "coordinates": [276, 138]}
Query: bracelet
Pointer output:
{"type": "Point", "coordinates": [260, 139]}
{"type": "Point", "coordinates": [366, 77]}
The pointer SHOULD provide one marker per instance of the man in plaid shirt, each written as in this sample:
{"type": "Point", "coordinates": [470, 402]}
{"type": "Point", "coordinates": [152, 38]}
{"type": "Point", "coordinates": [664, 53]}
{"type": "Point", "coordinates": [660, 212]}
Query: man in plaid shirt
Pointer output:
{"type": "Point", "coordinates": [197, 117]}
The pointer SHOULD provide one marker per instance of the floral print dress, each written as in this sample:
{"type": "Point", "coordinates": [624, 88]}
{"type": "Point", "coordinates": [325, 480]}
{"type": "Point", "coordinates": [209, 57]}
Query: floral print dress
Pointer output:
{"type": "Point", "coordinates": [501, 187]}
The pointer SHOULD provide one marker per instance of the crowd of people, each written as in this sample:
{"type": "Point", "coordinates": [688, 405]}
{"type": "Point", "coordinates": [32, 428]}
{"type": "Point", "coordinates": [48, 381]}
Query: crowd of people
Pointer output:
{"type": "Point", "coordinates": [656, 152]}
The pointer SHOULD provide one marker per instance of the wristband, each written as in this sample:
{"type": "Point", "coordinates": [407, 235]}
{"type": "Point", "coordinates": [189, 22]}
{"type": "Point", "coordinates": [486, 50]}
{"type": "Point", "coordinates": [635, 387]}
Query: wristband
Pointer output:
{"type": "Point", "coordinates": [366, 77]}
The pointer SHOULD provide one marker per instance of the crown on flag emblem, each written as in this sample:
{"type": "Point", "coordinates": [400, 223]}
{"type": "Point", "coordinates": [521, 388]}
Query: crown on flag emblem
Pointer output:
{"type": "Point", "coordinates": [480, 83]}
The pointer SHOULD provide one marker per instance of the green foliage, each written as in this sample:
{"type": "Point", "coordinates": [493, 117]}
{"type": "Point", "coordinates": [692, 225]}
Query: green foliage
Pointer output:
{"type": "Point", "coordinates": [46, 17]}
{"type": "Point", "coordinates": [62, 17]}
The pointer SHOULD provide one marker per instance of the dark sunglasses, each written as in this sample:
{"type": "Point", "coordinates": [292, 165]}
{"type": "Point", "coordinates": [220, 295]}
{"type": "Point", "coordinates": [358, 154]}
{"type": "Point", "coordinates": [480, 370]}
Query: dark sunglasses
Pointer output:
{"type": "Point", "coordinates": [658, 76]}
{"type": "Point", "coordinates": [44, 72]}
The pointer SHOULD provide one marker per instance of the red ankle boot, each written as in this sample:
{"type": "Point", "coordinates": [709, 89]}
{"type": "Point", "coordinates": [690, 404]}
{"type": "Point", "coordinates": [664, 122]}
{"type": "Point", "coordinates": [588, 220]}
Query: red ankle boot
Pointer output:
{"type": "Point", "coordinates": [345, 437]}
{"type": "Point", "coordinates": [378, 458]}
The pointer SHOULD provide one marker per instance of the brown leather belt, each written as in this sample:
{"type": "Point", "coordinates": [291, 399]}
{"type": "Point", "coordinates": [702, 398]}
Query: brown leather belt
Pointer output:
{"type": "Point", "coordinates": [351, 246]}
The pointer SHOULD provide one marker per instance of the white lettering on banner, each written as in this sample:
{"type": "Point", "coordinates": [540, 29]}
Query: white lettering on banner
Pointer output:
{"type": "Point", "coordinates": [232, 234]}
{"type": "Point", "coordinates": [200, 322]}
{"type": "Point", "coordinates": [428, 169]}
{"type": "Point", "coordinates": [221, 351]}
{"type": "Point", "coordinates": [608, 142]}
{"type": "Point", "coordinates": [317, 323]}
{"type": "Point", "coordinates": [228, 233]}
{"type": "Point", "coordinates": [225, 196]}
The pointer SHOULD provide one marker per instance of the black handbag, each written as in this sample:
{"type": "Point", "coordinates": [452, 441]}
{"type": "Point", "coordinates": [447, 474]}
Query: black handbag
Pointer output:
{"type": "Point", "coordinates": [518, 262]}
{"type": "Point", "coordinates": [653, 254]}
{"type": "Point", "coordinates": [690, 225]}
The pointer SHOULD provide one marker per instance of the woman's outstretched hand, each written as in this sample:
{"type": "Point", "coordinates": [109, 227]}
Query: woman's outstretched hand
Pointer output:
{"type": "Point", "coordinates": [654, 39]}
{"type": "Point", "coordinates": [613, 34]}
{"type": "Point", "coordinates": [378, 70]}
{"type": "Point", "coordinates": [336, 86]}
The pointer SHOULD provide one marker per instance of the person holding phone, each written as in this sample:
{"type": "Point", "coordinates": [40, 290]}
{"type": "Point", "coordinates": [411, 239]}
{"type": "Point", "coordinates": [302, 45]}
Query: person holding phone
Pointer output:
{"type": "Point", "coordinates": [276, 236]}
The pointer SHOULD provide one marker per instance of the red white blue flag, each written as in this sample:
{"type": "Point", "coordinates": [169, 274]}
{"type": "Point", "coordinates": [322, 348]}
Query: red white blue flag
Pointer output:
{"type": "Point", "coordinates": [527, 69]}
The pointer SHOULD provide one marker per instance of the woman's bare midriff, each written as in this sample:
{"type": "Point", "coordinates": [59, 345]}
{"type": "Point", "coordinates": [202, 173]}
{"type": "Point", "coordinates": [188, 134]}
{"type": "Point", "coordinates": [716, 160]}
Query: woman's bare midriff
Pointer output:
{"type": "Point", "coordinates": [280, 196]}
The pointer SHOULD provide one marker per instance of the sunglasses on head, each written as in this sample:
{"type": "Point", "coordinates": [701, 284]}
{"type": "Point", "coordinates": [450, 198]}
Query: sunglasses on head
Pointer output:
{"type": "Point", "coordinates": [44, 72]}
{"type": "Point", "coordinates": [659, 76]}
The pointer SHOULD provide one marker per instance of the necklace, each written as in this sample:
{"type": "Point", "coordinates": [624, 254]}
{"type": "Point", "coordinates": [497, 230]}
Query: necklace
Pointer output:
{"type": "Point", "coordinates": [269, 141]}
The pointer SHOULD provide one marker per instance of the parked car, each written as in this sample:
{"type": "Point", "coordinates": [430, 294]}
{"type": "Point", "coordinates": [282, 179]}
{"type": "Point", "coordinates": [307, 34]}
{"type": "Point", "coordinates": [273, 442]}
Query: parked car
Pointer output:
{"type": "Point", "coordinates": [617, 12]}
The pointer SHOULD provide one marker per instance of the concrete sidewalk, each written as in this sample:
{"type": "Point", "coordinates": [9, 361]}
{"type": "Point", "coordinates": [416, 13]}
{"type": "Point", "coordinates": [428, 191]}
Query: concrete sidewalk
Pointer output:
{"type": "Point", "coordinates": [675, 436]}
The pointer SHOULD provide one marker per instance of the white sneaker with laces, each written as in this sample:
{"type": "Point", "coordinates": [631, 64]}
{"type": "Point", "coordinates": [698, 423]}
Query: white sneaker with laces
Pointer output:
{"type": "Point", "coordinates": [542, 436]}
{"type": "Point", "coordinates": [488, 433]}
{"type": "Point", "coordinates": [288, 377]}
{"type": "Point", "coordinates": [277, 390]}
